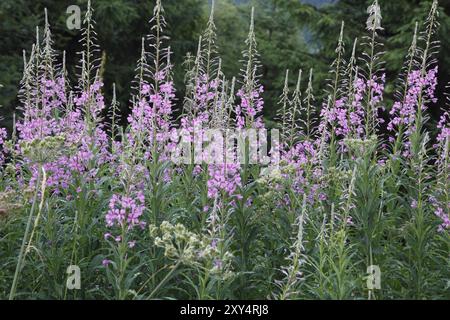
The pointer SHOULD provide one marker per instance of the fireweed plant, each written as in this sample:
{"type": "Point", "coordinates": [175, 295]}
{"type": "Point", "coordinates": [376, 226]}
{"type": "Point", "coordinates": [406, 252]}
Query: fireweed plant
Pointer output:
{"type": "Point", "coordinates": [175, 205]}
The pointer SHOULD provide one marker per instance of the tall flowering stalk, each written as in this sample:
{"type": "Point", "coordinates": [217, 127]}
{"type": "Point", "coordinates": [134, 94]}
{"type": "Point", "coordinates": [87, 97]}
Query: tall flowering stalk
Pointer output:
{"type": "Point", "coordinates": [294, 118]}
{"type": "Point", "coordinates": [352, 125]}
{"type": "Point", "coordinates": [289, 115]}
{"type": "Point", "coordinates": [207, 99]}
{"type": "Point", "coordinates": [347, 116]}
{"type": "Point", "coordinates": [442, 206]}
{"type": "Point", "coordinates": [441, 200]}
{"type": "Point", "coordinates": [373, 78]}
{"type": "Point", "coordinates": [293, 272]}
{"type": "Point", "coordinates": [124, 214]}
{"type": "Point", "coordinates": [204, 79]}
{"type": "Point", "coordinates": [402, 93]}
{"type": "Point", "coordinates": [282, 114]}
{"type": "Point", "coordinates": [418, 167]}
{"type": "Point", "coordinates": [293, 129]}
{"type": "Point", "coordinates": [307, 111]}
{"type": "Point", "coordinates": [89, 56]}
{"type": "Point", "coordinates": [211, 61]}
{"type": "Point", "coordinates": [248, 111]}
{"type": "Point", "coordinates": [425, 76]}
{"type": "Point", "coordinates": [150, 119]}
{"type": "Point", "coordinates": [335, 114]}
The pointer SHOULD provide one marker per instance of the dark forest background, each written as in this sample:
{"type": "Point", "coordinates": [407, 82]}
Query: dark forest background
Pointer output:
{"type": "Point", "coordinates": [291, 34]}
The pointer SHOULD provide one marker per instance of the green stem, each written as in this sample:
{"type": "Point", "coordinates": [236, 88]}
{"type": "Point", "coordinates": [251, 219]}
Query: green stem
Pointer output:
{"type": "Point", "coordinates": [164, 280]}
{"type": "Point", "coordinates": [20, 261]}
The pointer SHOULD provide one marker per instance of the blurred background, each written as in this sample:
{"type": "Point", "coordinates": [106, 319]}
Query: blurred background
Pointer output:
{"type": "Point", "coordinates": [291, 34]}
